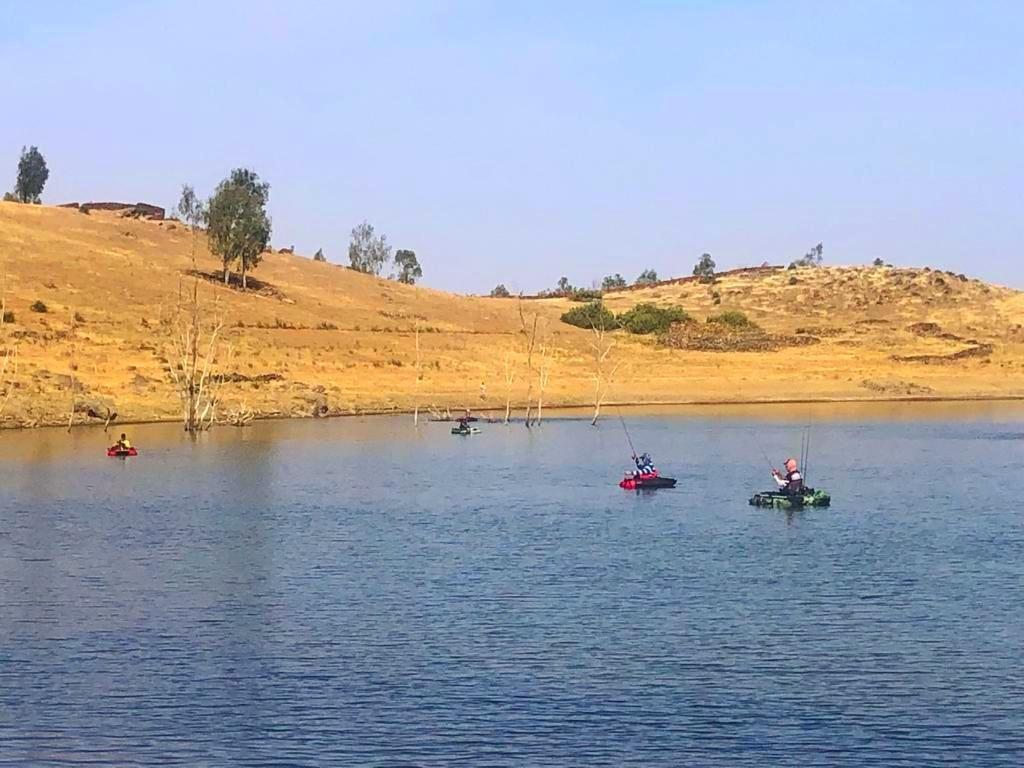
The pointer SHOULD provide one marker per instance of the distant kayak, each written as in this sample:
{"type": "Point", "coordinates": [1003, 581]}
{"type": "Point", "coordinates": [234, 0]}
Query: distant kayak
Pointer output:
{"type": "Point", "coordinates": [641, 482]}
{"type": "Point", "coordinates": [120, 453]}
{"type": "Point", "coordinates": [779, 500]}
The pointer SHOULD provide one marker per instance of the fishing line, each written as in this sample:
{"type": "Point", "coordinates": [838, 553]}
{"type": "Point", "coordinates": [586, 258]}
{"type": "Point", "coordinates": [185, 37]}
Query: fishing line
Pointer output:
{"type": "Point", "coordinates": [757, 442]}
{"type": "Point", "coordinates": [626, 430]}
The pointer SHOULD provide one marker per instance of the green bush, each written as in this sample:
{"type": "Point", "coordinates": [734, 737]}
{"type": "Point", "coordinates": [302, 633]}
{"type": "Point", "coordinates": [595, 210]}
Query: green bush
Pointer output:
{"type": "Point", "coordinates": [733, 319]}
{"type": "Point", "coordinates": [649, 318]}
{"type": "Point", "coordinates": [585, 294]}
{"type": "Point", "coordinates": [8, 316]}
{"type": "Point", "coordinates": [592, 315]}
{"type": "Point", "coordinates": [38, 306]}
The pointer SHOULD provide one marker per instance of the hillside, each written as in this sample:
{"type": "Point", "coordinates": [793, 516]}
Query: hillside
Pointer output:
{"type": "Point", "coordinates": [322, 338]}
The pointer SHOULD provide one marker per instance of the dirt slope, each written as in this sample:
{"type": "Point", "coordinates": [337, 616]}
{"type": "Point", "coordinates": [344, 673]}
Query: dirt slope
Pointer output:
{"type": "Point", "coordinates": [322, 335]}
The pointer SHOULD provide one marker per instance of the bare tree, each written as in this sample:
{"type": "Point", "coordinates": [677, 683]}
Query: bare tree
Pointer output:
{"type": "Point", "coordinates": [510, 379]}
{"type": "Point", "coordinates": [197, 355]}
{"type": "Point", "coordinates": [193, 211]}
{"type": "Point", "coordinates": [543, 376]}
{"type": "Point", "coordinates": [604, 366]}
{"type": "Point", "coordinates": [9, 361]}
{"type": "Point", "coordinates": [419, 377]}
{"type": "Point", "coordinates": [529, 331]}
{"type": "Point", "coordinates": [73, 386]}
{"type": "Point", "coordinates": [8, 376]}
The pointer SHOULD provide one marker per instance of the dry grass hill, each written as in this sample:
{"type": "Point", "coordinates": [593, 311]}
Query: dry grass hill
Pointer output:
{"type": "Point", "coordinates": [320, 338]}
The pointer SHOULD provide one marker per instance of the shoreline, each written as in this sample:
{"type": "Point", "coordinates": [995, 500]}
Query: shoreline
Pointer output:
{"type": "Point", "coordinates": [555, 407]}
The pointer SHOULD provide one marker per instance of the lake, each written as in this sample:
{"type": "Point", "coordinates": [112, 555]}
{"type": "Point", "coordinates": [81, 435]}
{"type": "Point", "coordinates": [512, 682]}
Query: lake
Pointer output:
{"type": "Point", "coordinates": [357, 592]}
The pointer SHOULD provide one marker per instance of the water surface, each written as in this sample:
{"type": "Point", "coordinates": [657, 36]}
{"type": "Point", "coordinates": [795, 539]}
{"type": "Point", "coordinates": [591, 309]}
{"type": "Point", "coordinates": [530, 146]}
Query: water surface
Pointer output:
{"type": "Point", "coordinates": [356, 592]}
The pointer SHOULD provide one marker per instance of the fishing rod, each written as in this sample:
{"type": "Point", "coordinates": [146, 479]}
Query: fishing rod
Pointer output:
{"type": "Point", "coordinates": [626, 430]}
{"type": "Point", "coordinates": [807, 455]}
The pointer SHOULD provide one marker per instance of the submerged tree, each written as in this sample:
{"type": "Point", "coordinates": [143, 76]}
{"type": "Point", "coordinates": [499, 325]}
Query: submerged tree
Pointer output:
{"type": "Point", "coordinates": [418, 370]}
{"type": "Point", "coordinates": [510, 379]}
{"type": "Point", "coordinates": [529, 329]}
{"type": "Point", "coordinates": [32, 176]}
{"type": "Point", "coordinates": [197, 358]}
{"type": "Point", "coordinates": [605, 367]}
{"type": "Point", "coordinates": [367, 252]}
{"type": "Point", "coordinates": [238, 225]}
{"type": "Point", "coordinates": [9, 359]}
{"type": "Point", "coordinates": [543, 377]}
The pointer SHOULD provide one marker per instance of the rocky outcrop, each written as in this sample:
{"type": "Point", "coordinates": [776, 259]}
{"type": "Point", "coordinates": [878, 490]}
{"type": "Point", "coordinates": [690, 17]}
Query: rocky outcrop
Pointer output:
{"type": "Point", "coordinates": [133, 210]}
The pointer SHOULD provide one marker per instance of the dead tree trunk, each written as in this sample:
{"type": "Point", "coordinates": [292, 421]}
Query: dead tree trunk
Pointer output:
{"type": "Point", "coordinates": [9, 362]}
{"type": "Point", "coordinates": [604, 368]}
{"type": "Point", "coordinates": [196, 358]}
{"type": "Point", "coordinates": [529, 331]}
{"type": "Point", "coordinates": [510, 378]}
{"type": "Point", "coordinates": [543, 376]}
{"type": "Point", "coordinates": [419, 377]}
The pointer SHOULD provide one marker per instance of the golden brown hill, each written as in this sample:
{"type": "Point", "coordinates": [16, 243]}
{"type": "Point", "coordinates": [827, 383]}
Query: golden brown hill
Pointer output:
{"type": "Point", "coordinates": [322, 335]}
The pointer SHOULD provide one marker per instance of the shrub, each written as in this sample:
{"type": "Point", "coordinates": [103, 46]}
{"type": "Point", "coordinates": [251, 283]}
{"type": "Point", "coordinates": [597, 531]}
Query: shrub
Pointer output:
{"type": "Point", "coordinates": [585, 294]}
{"type": "Point", "coordinates": [733, 319]}
{"type": "Point", "coordinates": [8, 316]}
{"type": "Point", "coordinates": [592, 315]}
{"type": "Point", "coordinates": [38, 306]}
{"type": "Point", "coordinates": [500, 292]}
{"type": "Point", "coordinates": [649, 318]}
{"type": "Point", "coordinates": [79, 318]}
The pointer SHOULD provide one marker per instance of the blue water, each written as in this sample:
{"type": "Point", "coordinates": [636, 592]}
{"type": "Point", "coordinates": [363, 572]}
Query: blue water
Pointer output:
{"type": "Point", "coordinates": [353, 592]}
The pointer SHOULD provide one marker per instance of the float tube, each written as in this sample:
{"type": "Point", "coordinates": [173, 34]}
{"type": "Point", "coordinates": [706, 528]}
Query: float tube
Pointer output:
{"type": "Point", "coordinates": [651, 480]}
{"type": "Point", "coordinates": [119, 453]}
{"type": "Point", "coordinates": [779, 500]}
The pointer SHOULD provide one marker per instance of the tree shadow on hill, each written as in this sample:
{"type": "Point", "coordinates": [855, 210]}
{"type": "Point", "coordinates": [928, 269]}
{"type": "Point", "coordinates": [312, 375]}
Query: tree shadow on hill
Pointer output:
{"type": "Point", "coordinates": [253, 285]}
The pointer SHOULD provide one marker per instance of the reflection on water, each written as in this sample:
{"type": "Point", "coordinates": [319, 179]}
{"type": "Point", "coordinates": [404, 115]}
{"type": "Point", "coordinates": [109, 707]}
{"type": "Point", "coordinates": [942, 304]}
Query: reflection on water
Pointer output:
{"type": "Point", "coordinates": [357, 592]}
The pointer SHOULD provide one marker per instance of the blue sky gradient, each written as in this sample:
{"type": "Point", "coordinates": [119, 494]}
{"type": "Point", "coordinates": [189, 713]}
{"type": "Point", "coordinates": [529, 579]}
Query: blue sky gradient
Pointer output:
{"type": "Point", "coordinates": [519, 142]}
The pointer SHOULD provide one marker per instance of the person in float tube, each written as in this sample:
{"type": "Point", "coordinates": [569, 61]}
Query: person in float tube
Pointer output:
{"type": "Point", "coordinates": [644, 465]}
{"type": "Point", "coordinates": [123, 444]}
{"type": "Point", "coordinates": [792, 482]}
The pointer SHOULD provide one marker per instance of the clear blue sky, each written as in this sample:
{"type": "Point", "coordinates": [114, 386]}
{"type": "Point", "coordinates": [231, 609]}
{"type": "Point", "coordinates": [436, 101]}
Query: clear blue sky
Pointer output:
{"type": "Point", "coordinates": [517, 142]}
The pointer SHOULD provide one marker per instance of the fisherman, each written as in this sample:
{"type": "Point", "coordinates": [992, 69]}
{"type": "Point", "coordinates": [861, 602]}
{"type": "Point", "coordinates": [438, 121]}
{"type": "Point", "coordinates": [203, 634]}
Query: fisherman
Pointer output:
{"type": "Point", "coordinates": [644, 465]}
{"type": "Point", "coordinates": [792, 482]}
{"type": "Point", "coordinates": [123, 444]}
